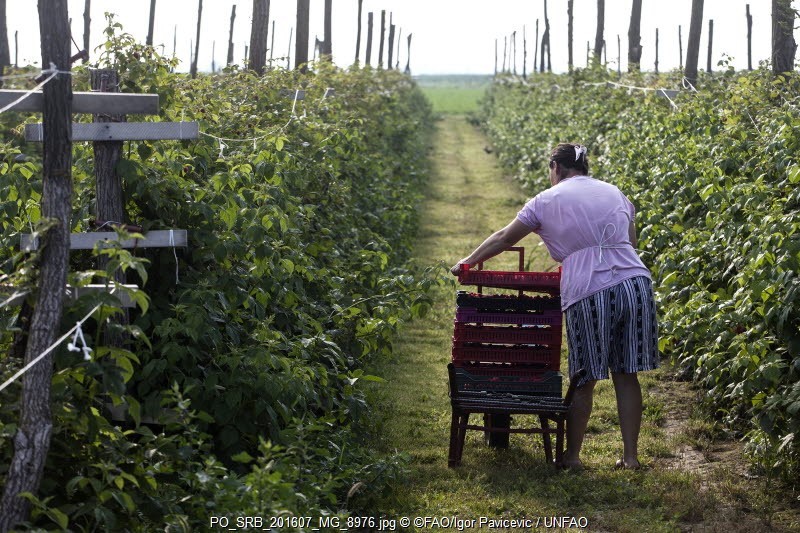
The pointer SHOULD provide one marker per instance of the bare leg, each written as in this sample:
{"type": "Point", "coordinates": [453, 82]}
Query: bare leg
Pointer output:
{"type": "Point", "coordinates": [629, 408]}
{"type": "Point", "coordinates": [577, 420]}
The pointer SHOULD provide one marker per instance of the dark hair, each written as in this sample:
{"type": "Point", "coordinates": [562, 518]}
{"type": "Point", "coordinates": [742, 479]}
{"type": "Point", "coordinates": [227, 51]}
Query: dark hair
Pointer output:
{"type": "Point", "coordinates": [564, 155]}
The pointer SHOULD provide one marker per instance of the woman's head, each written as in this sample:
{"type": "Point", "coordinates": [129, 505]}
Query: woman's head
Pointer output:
{"type": "Point", "coordinates": [569, 158]}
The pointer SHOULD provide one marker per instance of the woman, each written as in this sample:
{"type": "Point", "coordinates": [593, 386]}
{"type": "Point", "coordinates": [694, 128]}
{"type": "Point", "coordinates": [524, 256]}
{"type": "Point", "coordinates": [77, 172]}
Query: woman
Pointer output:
{"type": "Point", "coordinates": [606, 291]}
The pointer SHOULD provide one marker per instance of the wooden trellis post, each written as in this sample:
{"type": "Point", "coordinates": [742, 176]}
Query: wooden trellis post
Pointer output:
{"type": "Point", "coordinates": [749, 37]}
{"type": "Point", "coordinates": [710, 44]}
{"type": "Point", "coordinates": [383, 38]}
{"type": "Point", "coordinates": [229, 57]}
{"type": "Point", "coordinates": [358, 30]}
{"type": "Point", "coordinates": [369, 38]}
{"type": "Point", "coordinates": [408, 56]}
{"type": "Point", "coordinates": [390, 61]}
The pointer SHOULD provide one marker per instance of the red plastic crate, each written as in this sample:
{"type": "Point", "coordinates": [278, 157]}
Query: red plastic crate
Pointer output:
{"type": "Point", "coordinates": [490, 378]}
{"type": "Point", "coordinates": [526, 281]}
{"type": "Point", "coordinates": [545, 318]}
{"type": "Point", "coordinates": [545, 356]}
{"type": "Point", "coordinates": [506, 334]}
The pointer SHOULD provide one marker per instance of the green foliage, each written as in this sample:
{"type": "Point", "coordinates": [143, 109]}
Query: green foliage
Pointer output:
{"type": "Point", "coordinates": [715, 183]}
{"type": "Point", "coordinates": [247, 357]}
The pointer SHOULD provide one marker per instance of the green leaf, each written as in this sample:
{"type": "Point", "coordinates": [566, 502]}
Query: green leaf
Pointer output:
{"type": "Point", "coordinates": [243, 457]}
{"type": "Point", "coordinates": [61, 519]}
{"type": "Point", "coordinates": [229, 216]}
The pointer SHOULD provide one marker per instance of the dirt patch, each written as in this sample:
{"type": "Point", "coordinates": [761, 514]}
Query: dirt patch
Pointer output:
{"type": "Point", "coordinates": [745, 501]}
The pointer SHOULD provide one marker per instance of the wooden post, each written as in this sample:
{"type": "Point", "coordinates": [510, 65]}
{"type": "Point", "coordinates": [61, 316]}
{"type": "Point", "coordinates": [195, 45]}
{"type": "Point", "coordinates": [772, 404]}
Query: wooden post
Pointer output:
{"type": "Point", "coordinates": [107, 155]}
{"type": "Point", "coordinates": [175, 41]}
{"type": "Point", "coordinates": [5, 53]}
{"type": "Point", "coordinates": [749, 37]}
{"type": "Point", "coordinates": [399, 33]}
{"type": "Point", "coordinates": [656, 50]}
{"type": "Point", "coordinates": [197, 40]}
{"type": "Point", "coordinates": [514, 48]}
{"type": "Point", "coordinates": [524, 53]}
{"type": "Point", "coordinates": [408, 57]}
{"type": "Point", "coordinates": [383, 37]}
{"type": "Point", "coordinates": [680, 47]}
{"type": "Point", "coordinates": [547, 37]}
{"type": "Point", "coordinates": [536, 46]}
{"type": "Point", "coordinates": [619, 57]}
{"type": "Point", "coordinates": [301, 40]}
{"type": "Point", "coordinates": [16, 50]}
{"type": "Point", "coordinates": [369, 38]}
{"type": "Point", "coordinates": [272, 44]}
{"type": "Point", "coordinates": [693, 47]}
{"type": "Point", "coordinates": [635, 37]}
{"type": "Point", "coordinates": [87, 24]}
{"type": "Point", "coordinates": [598, 36]}
{"type": "Point", "coordinates": [32, 438]}
{"type": "Point", "coordinates": [391, 45]}
{"type": "Point", "coordinates": [605, 54]}
{"type": "Point", "coordinates": [587, 54]}
{"type": "Point", "coordinates": [570, 8]}
{"type": "Point", "coordinates": [326, 52]}
{"type": "Point", "coordinates": [358, 30]}
{"type": "Point", "coordinates": [783, 44]}
{"type": "Point", "coordinates": [505, 51]}
{"type": "Point", "coordinates": [258, 36]}
{"type": "Point", "coordinates": [710, 43]}
{"type": "Point", "coordinates": [150, 25]}
{"type": "Point", "coordinates": [213, 56]}
{"type": "Point", "coordinates": [109, 202]}
{"type": "Point", "coordinates": [229, 57]}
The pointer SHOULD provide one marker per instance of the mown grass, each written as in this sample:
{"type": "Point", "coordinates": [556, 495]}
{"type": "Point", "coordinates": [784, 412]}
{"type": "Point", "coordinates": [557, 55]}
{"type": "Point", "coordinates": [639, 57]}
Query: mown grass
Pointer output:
{"type": "Point", "coordinates": [454, 100]}
{"type": "Point", "coordinates": [454, 94]}
{"type": "Point", "coordinates": [468, 199]}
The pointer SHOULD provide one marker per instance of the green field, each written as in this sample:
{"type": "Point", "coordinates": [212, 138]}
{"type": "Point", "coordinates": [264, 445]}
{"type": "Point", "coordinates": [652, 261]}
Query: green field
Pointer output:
{"type": "Point", "coordinates": [454, 94]}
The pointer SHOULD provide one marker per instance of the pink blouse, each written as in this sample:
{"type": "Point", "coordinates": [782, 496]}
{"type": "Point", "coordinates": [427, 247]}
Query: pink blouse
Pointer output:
{"type": "Point", "coordinates": [584, 224]}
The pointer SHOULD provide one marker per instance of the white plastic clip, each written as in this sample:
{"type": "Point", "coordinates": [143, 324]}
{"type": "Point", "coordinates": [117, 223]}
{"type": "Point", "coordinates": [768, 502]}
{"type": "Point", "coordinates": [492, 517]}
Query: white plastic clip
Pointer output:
{"type": "Point", "coordinates": [75, 347]}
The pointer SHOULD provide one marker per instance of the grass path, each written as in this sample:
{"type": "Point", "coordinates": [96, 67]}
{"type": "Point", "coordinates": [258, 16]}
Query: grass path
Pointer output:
{"type": "Point", "coordinates": [468, 199]}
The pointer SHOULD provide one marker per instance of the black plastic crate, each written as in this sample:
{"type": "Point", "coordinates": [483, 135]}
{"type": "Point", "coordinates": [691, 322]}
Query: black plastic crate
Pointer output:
{"type": "Point", "coordinates": [507, 302]}
{"type": "Point", "coordinates": [515, 380]}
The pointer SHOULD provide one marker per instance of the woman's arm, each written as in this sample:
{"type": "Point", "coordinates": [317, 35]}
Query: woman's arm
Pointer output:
{"type": "Point", "coordinates": [497, 242]}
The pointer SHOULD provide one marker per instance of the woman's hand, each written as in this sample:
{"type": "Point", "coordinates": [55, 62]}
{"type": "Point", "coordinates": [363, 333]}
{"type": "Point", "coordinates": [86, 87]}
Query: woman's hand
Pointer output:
{"type": "Point", "coordinates": [497, 242]}
{"type": "Point", "coordinates": [458, 267]}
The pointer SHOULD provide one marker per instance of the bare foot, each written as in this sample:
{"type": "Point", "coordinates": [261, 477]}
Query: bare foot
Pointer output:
{"type": "Point", "coordinates": [575, 466]}
{"type": "Point", "coordinates": [627, 465]}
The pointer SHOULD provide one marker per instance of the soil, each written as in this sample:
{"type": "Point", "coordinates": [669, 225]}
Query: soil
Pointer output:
{"type": "Point", "coordinates": [747, 500]}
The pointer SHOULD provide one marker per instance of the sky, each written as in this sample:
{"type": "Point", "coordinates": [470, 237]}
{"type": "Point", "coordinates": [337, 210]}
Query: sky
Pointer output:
{"type": "Point", "coordinates": [449, 36]}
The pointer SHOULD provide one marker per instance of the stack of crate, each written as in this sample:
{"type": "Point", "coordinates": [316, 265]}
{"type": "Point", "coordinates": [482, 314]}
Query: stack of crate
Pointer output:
{"type": "Point", "coordinates": [507, 348]}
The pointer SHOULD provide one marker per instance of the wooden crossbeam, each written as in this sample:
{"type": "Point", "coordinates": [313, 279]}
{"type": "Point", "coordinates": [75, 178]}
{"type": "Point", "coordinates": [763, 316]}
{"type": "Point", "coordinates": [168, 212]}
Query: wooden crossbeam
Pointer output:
{"type": "Point", "coordinates": [122, 131]}
{"type": "Point", "coordinates": [87, 241]}
{"type": "Point", "coordinates": [11, 298]}
{"type": "Point", "coordinates": [88, 102]}
{"type": "Point", "coordinates": [293, 94]}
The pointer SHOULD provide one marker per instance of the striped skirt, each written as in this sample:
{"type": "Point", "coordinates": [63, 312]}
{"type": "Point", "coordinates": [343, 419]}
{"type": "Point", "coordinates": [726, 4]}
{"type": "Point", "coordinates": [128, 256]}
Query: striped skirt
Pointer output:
{"type": "Point", "coordinates": [615, 329]}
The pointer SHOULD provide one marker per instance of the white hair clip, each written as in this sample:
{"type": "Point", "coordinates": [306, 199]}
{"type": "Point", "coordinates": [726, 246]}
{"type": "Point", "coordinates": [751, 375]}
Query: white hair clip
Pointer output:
{"type": "Point", "coordinates": [579, 149]}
